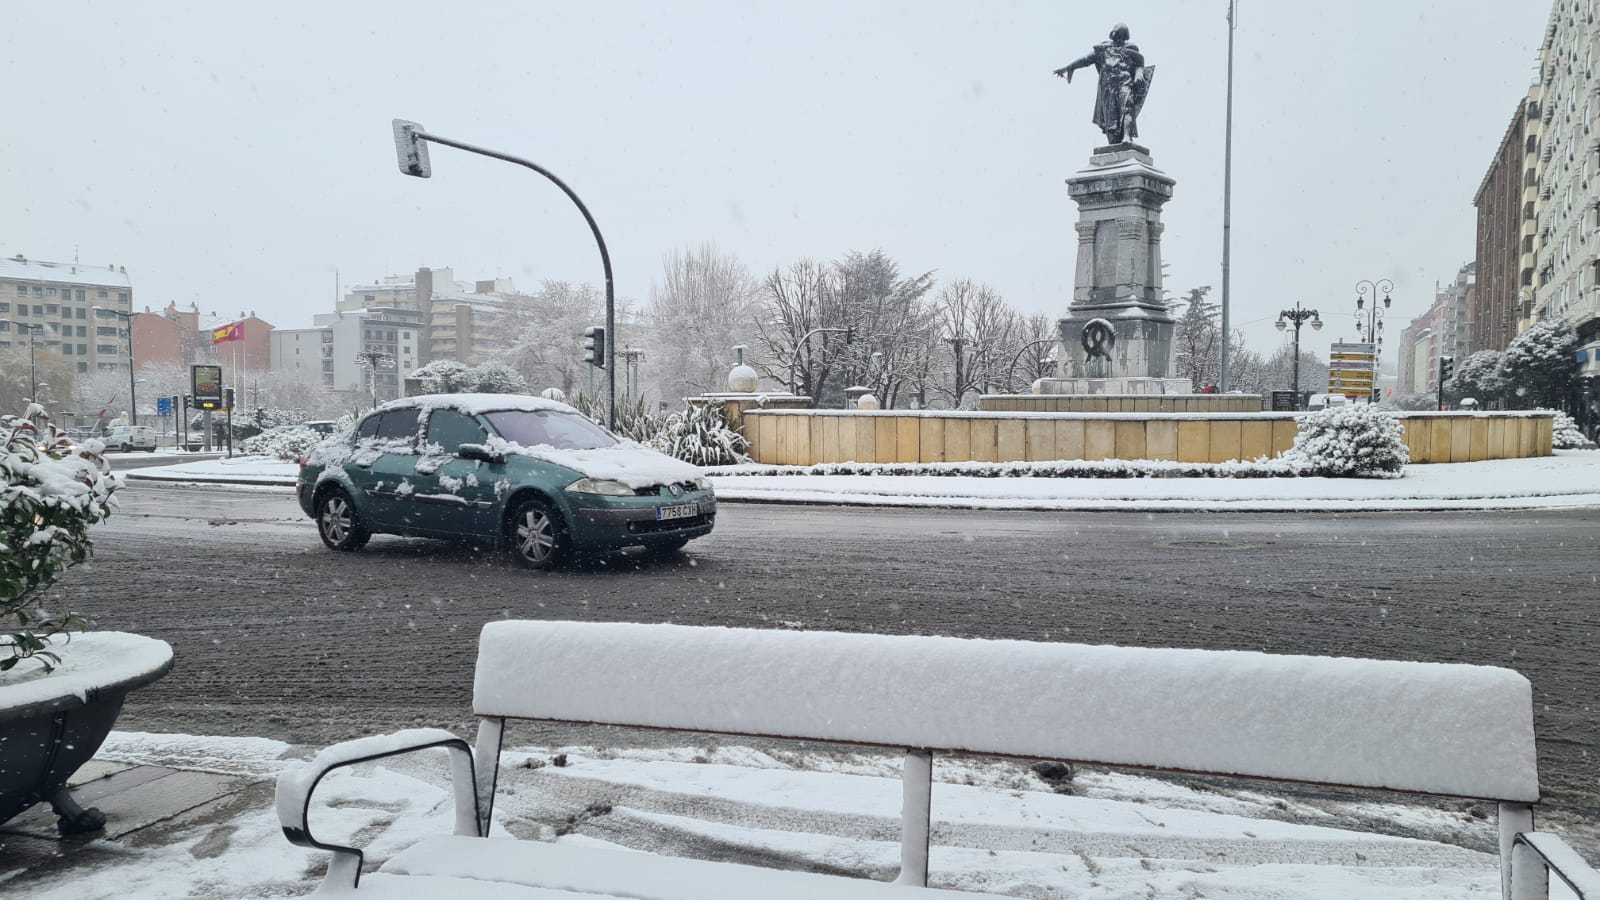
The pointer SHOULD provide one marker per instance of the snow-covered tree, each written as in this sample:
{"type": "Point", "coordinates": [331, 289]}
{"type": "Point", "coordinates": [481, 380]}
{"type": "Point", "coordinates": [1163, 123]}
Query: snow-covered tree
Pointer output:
{"type": "Point", "coordinates": [444, 376]}
{"type": "Point", "coordinates": [704, 305]}
{"type": "Point", "coordinates": [1565, 434]}
{"type": "Point", "coordinates": [795, 302]}
{"type": "Point", "coordinates": [1479, 376]}
{"type": "Point", "coordinates": [978, 325]}
{"type": "Point", "coordinates": [545, 335]}
{"type": "Point", "coordinates": [1198, 338]}
{"type": "Point", "coordinates": [497, 378]}
{"type": "Point", "coordinates": [1538, 366]}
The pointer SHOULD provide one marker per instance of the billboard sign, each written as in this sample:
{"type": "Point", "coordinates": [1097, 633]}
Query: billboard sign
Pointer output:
{"type": "Point", "coordinates": [206, 383]}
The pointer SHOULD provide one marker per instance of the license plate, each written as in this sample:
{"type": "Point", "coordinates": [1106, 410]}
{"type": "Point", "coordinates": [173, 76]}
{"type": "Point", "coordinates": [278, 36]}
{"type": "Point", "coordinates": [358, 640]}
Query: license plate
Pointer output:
{"type": "Point", "coordinates": [686, 511]}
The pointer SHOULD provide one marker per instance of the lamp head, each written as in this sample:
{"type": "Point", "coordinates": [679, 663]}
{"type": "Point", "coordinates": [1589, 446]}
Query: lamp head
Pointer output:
{"type": "Point", "coordinates": [1280, 323]}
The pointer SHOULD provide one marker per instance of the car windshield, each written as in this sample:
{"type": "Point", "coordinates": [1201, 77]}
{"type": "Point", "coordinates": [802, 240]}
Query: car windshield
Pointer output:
{"type": "Point", "coordinates": [562, 430]}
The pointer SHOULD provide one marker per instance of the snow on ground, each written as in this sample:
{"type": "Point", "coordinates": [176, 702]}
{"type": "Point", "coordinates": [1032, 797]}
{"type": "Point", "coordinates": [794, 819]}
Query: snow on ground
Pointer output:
{"type": "Point", "coordinates": [1569, 478]}
{"type": "Point", "coordinates": [996, 826]}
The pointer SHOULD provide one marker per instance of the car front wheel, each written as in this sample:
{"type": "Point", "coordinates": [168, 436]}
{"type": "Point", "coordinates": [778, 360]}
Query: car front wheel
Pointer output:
{"type": "Point", "coordinates": [537, 539]}
{"type": "Point", "coordinates": [338, 523]}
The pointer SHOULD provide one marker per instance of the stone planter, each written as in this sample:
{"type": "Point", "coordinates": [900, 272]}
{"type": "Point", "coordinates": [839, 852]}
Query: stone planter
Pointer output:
{"type": "Point", "coordinates": [52, 724]}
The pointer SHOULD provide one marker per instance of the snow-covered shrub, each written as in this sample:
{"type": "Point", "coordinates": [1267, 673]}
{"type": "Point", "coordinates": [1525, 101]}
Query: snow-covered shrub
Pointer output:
{"type": "Point", "coordinates": [50, 493]}
{"type": "Point", "coordinates": [1356, 441]}
{"type": "Point", "coordinates": [634, 421]}
{"type": "Point", "coordinates": [1565, 434]}
{"type": "Point", "coordinates": [289, 444]}
{"type": "Point", "coordinates": [700, 435]}
{"type": "Point", "coordinates": [444, 376]}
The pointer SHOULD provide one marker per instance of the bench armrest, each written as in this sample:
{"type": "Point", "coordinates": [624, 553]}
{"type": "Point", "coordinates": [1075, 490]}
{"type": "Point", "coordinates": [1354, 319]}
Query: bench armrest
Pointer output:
{"type": "Point", "coordinates": [1535, 854]}
{"type": "Point", "coordinates": [296, 784]}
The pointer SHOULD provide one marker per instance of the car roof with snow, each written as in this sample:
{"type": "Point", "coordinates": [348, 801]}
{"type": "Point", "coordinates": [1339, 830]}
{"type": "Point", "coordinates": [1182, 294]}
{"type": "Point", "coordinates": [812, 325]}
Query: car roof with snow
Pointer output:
{"type": "Point", "coordinates": [479, 403]}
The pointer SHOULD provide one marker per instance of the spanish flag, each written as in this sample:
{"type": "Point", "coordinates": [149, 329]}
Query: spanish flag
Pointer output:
{"type": "Point", "coordinates": [234, 332]}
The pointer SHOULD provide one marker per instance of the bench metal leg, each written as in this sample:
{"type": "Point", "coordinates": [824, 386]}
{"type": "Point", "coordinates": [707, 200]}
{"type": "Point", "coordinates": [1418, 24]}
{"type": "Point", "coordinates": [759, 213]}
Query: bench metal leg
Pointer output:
{"type": "Point", "coordinates": [916, 817]}
{"type": "Point", "coordinates": [1515, 818]}
{"type": "Point", "coordinates": [486, 761]}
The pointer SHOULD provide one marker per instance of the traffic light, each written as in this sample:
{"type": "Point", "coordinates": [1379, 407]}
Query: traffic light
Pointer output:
{"type": "Point", "coordinates": [594, 346]}
{"type": "Point", "coordinates": [1447, 367]}
{"type": "Point", "coordinates": [850, 334]}
{"type": "Point", "coordinates": [227, 398]}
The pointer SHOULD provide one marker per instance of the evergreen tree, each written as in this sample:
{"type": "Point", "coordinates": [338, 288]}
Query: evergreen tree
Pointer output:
{"type": "Point", "coordinates": [1539, 365]}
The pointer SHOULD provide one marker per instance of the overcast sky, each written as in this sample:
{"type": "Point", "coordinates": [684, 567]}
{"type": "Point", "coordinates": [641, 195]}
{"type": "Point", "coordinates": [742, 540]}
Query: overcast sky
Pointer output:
{"type": "Point", "coordinates": [240, 156]}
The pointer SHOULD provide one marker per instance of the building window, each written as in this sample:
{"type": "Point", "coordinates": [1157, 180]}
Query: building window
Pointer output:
{"type": "Point", "coordinates": [79, 292]}
{"type": "Point", "coordinates": [52, 309]}
{"type": "Point", "coordinates": [82, 331]}
{"type": "Point", "coordinates": [83, 349]}
{"type": "Point", "coordinates": [38, 310]}
{"type": "Point", "coordinates": [106, 329]}
{"type": "Point", "coordinates": [49, 292]}
{"type": "Point", "coordinates": [66, 349]}
{"type": "Point", "coordinates": [102, 293]}
{"type": "Point", "coordinates": [122, 297]}
{"type": "Point", "coordinates": [82, 313]}
{"type": "Point", "coordinates": [105, 348]}
{"type": "Point", "coordinates": [22, 309]}
{"type": "Point", "coordinates": [5, 307]}
{"type": "Point", "coordinates": [38, 291]}
{"type": "Point", "coordinates": [22, 290]}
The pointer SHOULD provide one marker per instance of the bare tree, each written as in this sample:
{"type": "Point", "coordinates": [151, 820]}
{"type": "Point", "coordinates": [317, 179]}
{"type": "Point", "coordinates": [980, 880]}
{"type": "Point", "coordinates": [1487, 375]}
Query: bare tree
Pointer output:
{"type": "Point", "coordinates": [796, 302]}
{"type": "Point", "coordinates": [978, 325]}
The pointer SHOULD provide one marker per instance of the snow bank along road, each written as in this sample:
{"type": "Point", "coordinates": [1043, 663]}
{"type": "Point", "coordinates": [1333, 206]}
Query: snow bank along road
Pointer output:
{"type": "Point", "coordinates": [278, 637]}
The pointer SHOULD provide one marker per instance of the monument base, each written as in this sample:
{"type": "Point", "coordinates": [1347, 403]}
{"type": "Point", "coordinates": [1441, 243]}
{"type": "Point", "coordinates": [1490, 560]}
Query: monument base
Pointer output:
{"type": "Point", "coordinates": [1130, 385]}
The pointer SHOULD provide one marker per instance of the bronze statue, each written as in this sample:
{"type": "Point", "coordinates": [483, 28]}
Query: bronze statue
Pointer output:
{"type": "Point", "coordinates": [1124, 82]}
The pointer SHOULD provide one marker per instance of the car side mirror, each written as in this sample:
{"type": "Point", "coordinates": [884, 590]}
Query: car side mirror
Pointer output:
{"type": "Point", "coordinates": [481, 453]}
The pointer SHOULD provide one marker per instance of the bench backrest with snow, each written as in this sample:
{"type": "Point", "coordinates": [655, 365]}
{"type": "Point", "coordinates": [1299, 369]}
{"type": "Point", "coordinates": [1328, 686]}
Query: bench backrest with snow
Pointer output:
{"type": "Point", "coordinates": [1454, 730]}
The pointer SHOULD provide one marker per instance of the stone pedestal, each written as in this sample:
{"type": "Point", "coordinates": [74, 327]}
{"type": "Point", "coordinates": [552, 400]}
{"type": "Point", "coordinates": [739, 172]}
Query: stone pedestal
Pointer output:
{"type": "Point", "coordinates": [1118, 280]}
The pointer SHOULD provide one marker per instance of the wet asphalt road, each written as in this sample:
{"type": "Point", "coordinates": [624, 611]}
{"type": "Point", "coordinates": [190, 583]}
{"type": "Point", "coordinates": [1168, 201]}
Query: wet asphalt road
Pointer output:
{"type": "Point", "coordinates": [278, 637]}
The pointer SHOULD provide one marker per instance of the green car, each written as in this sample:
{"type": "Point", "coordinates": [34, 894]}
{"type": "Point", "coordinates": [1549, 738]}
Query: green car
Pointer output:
{"type": "Point", "coordinates": [532, 475]}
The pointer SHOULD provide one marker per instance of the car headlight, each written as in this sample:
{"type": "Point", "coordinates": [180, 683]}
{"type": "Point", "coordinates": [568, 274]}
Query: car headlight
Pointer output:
{"type": "Point", "coordinates": [702, 483]}
{"type": "Point", "coordinates": [604, 486]}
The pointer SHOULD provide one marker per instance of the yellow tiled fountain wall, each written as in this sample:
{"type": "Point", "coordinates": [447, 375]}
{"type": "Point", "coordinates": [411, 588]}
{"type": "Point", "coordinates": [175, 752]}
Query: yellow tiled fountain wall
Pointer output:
{"type": "Point", "coordinates": [808, 437]}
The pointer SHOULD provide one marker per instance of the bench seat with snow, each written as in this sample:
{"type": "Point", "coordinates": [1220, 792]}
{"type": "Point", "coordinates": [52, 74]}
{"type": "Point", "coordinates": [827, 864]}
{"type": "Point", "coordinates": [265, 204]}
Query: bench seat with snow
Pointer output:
{"type": "Point", "coordinates": [1451, 730]}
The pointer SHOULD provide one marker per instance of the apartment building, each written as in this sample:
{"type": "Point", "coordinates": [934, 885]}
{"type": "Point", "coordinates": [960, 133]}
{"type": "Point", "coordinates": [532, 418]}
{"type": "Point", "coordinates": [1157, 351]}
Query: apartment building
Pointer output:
{"type": "Point", "coordinates": [68, 308]}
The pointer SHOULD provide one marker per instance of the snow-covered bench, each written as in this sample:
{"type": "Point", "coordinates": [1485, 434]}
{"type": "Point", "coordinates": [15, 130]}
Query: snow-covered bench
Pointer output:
{"type": "Point", "coordinates": [1461, 731]}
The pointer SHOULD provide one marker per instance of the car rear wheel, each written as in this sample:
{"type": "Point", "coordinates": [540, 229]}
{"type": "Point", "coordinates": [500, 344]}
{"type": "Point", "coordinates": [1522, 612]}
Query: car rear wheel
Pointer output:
{"type": "Point", "coordinates": [537, 538]}
{"type": "Point", "coordinates": [126, 447]}
{"type": "Point", "coordinates": [338, 523]}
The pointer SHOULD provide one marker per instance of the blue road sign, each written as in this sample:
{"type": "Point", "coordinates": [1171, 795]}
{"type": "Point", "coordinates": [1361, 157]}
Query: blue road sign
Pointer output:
{"type": "Point", "coordinates": [163, 406]}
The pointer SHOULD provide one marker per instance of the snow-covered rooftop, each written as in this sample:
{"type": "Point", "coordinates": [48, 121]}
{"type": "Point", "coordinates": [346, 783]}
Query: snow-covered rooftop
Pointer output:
{"type": "Point", "coordinates": [63, 273]}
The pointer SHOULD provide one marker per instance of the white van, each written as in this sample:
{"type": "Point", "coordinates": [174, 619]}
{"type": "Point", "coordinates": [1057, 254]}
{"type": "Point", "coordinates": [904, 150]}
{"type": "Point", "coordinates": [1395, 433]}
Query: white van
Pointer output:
{"type": "Point", "coordinates": [1326, 401]}
{"type": "Point", "coordinates": [131, 437]}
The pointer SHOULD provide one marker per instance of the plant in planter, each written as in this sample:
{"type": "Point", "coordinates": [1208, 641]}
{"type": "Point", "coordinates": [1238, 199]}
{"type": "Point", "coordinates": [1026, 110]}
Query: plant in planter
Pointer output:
{"type": "Point", "coordinates": [59, 693]}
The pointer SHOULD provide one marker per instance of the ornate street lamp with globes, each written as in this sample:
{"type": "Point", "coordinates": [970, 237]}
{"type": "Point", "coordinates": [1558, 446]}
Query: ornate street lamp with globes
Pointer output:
{"type": "Point", "coordinates": [1371, 330]}
{"type": "Point", "coordinates": [1298, 316]}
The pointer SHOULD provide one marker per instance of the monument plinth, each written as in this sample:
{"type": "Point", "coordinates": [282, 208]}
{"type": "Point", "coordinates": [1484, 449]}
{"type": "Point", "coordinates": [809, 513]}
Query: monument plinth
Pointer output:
{"type": "Point", "coordinates": [1117, 336]}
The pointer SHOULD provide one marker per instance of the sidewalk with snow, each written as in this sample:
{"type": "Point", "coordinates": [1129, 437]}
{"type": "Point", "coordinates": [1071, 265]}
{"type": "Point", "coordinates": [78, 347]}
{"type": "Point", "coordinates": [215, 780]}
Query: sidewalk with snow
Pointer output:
{"type": "Point", "coordinates": [1569, 478]}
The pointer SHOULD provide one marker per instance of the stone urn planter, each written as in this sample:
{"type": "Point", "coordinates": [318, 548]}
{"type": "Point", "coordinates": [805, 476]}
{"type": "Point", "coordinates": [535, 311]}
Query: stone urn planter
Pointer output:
{"type": "Point", "coordinates": [52, 723]}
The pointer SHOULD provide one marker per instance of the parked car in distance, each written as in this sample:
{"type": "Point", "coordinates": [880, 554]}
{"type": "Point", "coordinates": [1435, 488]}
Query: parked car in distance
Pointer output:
{"type": "Point", "coordinates": [131, 437]}
{"type": "Point", "coordinates": [1326, 401]}
{"type": "Point", "coordinates": [532, 475]}
{"type": "Point", "coordinates": [320, 426]}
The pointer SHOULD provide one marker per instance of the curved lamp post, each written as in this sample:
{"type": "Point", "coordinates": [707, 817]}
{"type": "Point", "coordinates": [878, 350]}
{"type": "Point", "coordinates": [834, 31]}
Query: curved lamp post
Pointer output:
{"type": "Point", "coordinates": [1017, 357]}
{"type": "Point", "coordinates": [805, 342]}
{"type": "Point", "coordinates": [410, 143]}
{"type": "Point", "coordinates": [1298, 316]}
{"type": "Point", "coordinates": [133, 404]}
{"type": "Point", "coordinates": [1369, 323]}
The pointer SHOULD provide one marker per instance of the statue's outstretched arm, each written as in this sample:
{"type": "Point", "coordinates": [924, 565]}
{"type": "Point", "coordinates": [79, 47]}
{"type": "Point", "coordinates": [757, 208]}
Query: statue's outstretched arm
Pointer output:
{"type": "Point", "coordinates": [1067, 70]}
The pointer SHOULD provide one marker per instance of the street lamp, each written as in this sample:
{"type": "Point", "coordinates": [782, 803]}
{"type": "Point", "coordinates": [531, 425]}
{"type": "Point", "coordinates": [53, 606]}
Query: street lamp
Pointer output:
{"type": "Point", "coordinates": [133, 404]}
{"type": "Point", "coordinates": [1371, 330]}
{"type": "Point", "coordinates": [410, 144]}
{"type": "Point", "coordinates": [33, 338]}
{"type": "Point", "coordinates": [802, 344]}
{"type": "Point", "coordinates": [1298, 316]}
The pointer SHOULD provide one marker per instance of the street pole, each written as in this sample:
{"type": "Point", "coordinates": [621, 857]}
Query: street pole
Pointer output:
{"type": "Point", "coordinates": [1299, 315]}
{"type": "Point", "coordinates": [133, 403]}
{"type": "Point", "coordinates": [1227, 195]}
{"type": "Point", "coordinates": [409, 143]}
{"type": "Point", "coordinates": [1371, 331]}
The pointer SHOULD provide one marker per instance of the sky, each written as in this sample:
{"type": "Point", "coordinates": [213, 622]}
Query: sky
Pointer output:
{"type": "Point", "coordinates": [241, 158]}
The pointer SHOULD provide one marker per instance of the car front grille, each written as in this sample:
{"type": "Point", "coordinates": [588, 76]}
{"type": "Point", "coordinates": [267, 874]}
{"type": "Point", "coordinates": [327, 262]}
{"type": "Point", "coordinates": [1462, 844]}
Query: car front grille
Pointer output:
{"type": "Point", "coordinates": [662, 490]}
